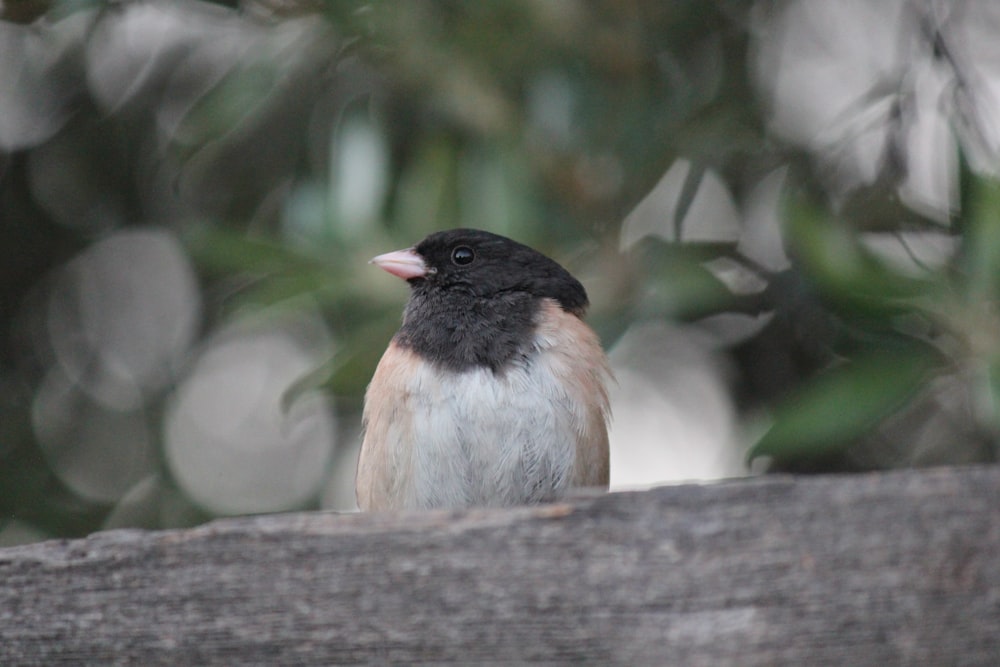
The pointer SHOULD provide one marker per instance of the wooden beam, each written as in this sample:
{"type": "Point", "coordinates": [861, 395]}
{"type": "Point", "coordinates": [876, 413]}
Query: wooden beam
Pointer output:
{"type": "Point", "coordinates": [879, 569]}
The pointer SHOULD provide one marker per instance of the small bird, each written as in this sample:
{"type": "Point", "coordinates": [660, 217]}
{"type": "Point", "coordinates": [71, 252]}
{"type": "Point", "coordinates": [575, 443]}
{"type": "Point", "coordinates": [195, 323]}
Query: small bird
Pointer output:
{"type": "Point", "coordinates": [493, 391]}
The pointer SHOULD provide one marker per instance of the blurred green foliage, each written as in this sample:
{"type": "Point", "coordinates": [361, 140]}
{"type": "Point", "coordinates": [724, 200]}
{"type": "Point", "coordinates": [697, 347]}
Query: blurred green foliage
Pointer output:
{"type": "Point", "coordinates": [899, 331]}
{"type": "Point", "coordinates": [549, 122]}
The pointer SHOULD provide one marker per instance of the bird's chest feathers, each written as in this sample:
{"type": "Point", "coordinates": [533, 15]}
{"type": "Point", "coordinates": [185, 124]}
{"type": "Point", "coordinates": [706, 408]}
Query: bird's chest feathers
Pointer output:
{"type": "Point", "coordinates": [487, 438]}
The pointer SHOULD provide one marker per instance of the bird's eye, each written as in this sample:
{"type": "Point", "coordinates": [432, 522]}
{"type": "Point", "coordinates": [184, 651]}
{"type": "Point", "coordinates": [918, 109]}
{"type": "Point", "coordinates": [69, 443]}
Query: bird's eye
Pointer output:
{"type": "Point", "coordinates": [463, 255]}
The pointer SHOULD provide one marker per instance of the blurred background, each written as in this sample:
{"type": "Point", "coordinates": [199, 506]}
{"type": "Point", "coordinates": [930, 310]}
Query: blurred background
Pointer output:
{"type": "Point", "coordinates": [786, 215]}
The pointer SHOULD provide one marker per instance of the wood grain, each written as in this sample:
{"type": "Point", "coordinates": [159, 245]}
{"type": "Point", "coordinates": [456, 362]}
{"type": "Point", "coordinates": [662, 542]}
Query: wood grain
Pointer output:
{"type": "Point", "coordinates": [883, 569]}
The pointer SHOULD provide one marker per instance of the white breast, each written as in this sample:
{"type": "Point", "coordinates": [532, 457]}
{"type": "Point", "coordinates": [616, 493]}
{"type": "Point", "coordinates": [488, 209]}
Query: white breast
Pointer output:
{"type": "Point", "coordinates": [490, 439]}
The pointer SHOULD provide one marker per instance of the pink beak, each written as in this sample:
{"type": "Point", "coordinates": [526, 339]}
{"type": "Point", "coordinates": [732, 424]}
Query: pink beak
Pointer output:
{"type": "Point", "coordinates": [403, 263]}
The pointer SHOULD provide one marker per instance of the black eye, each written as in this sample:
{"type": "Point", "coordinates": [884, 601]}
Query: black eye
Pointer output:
{"type": "Point", "coordinates": [463, 255]}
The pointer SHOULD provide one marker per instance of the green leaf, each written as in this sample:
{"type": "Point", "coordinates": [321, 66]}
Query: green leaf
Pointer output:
{"type": "Point", "coordinates": [844, 403]}
{"type": "Point", "coordinates": [830, 253]}
{"type": "Point", "coordinates": [356, 359]}
{"type": "Point", "coordinates": [991, 398]}
{"type": "Point", "coordinates": [223, 250]}
{"type": "Point", "coordinates": [237, 97]}
{"type": "Point", "coordinates": [346, 374]}
{"type": "Point", "coordinates": [312, 381]}
{"type": "Point", "coordinates": [982, 239]}
{"type": "Point", "coordinates": [426, 199]}
{"type": "Point", "coordinates": [678, 284]}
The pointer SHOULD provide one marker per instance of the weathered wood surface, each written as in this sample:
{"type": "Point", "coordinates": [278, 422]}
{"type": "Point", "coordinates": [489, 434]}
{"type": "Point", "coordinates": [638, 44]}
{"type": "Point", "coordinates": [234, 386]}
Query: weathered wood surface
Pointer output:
{"type": "Point", "coordinates": [894, 569]}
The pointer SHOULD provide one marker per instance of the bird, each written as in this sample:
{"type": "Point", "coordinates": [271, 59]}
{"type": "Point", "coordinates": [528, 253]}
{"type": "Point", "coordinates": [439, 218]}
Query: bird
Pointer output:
{"type": "Point", "coordinates": [494, 391]}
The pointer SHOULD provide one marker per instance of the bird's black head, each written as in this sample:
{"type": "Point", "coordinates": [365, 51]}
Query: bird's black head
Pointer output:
{"type": "Point", "coordinates": [487, 265]}
{"type": "Point", "coordinates": [476, 297]}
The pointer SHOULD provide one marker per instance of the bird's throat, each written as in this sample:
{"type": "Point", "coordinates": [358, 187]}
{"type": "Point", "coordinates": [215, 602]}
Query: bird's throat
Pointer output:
{"type": "Point", "coordinates": [462, 331]}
